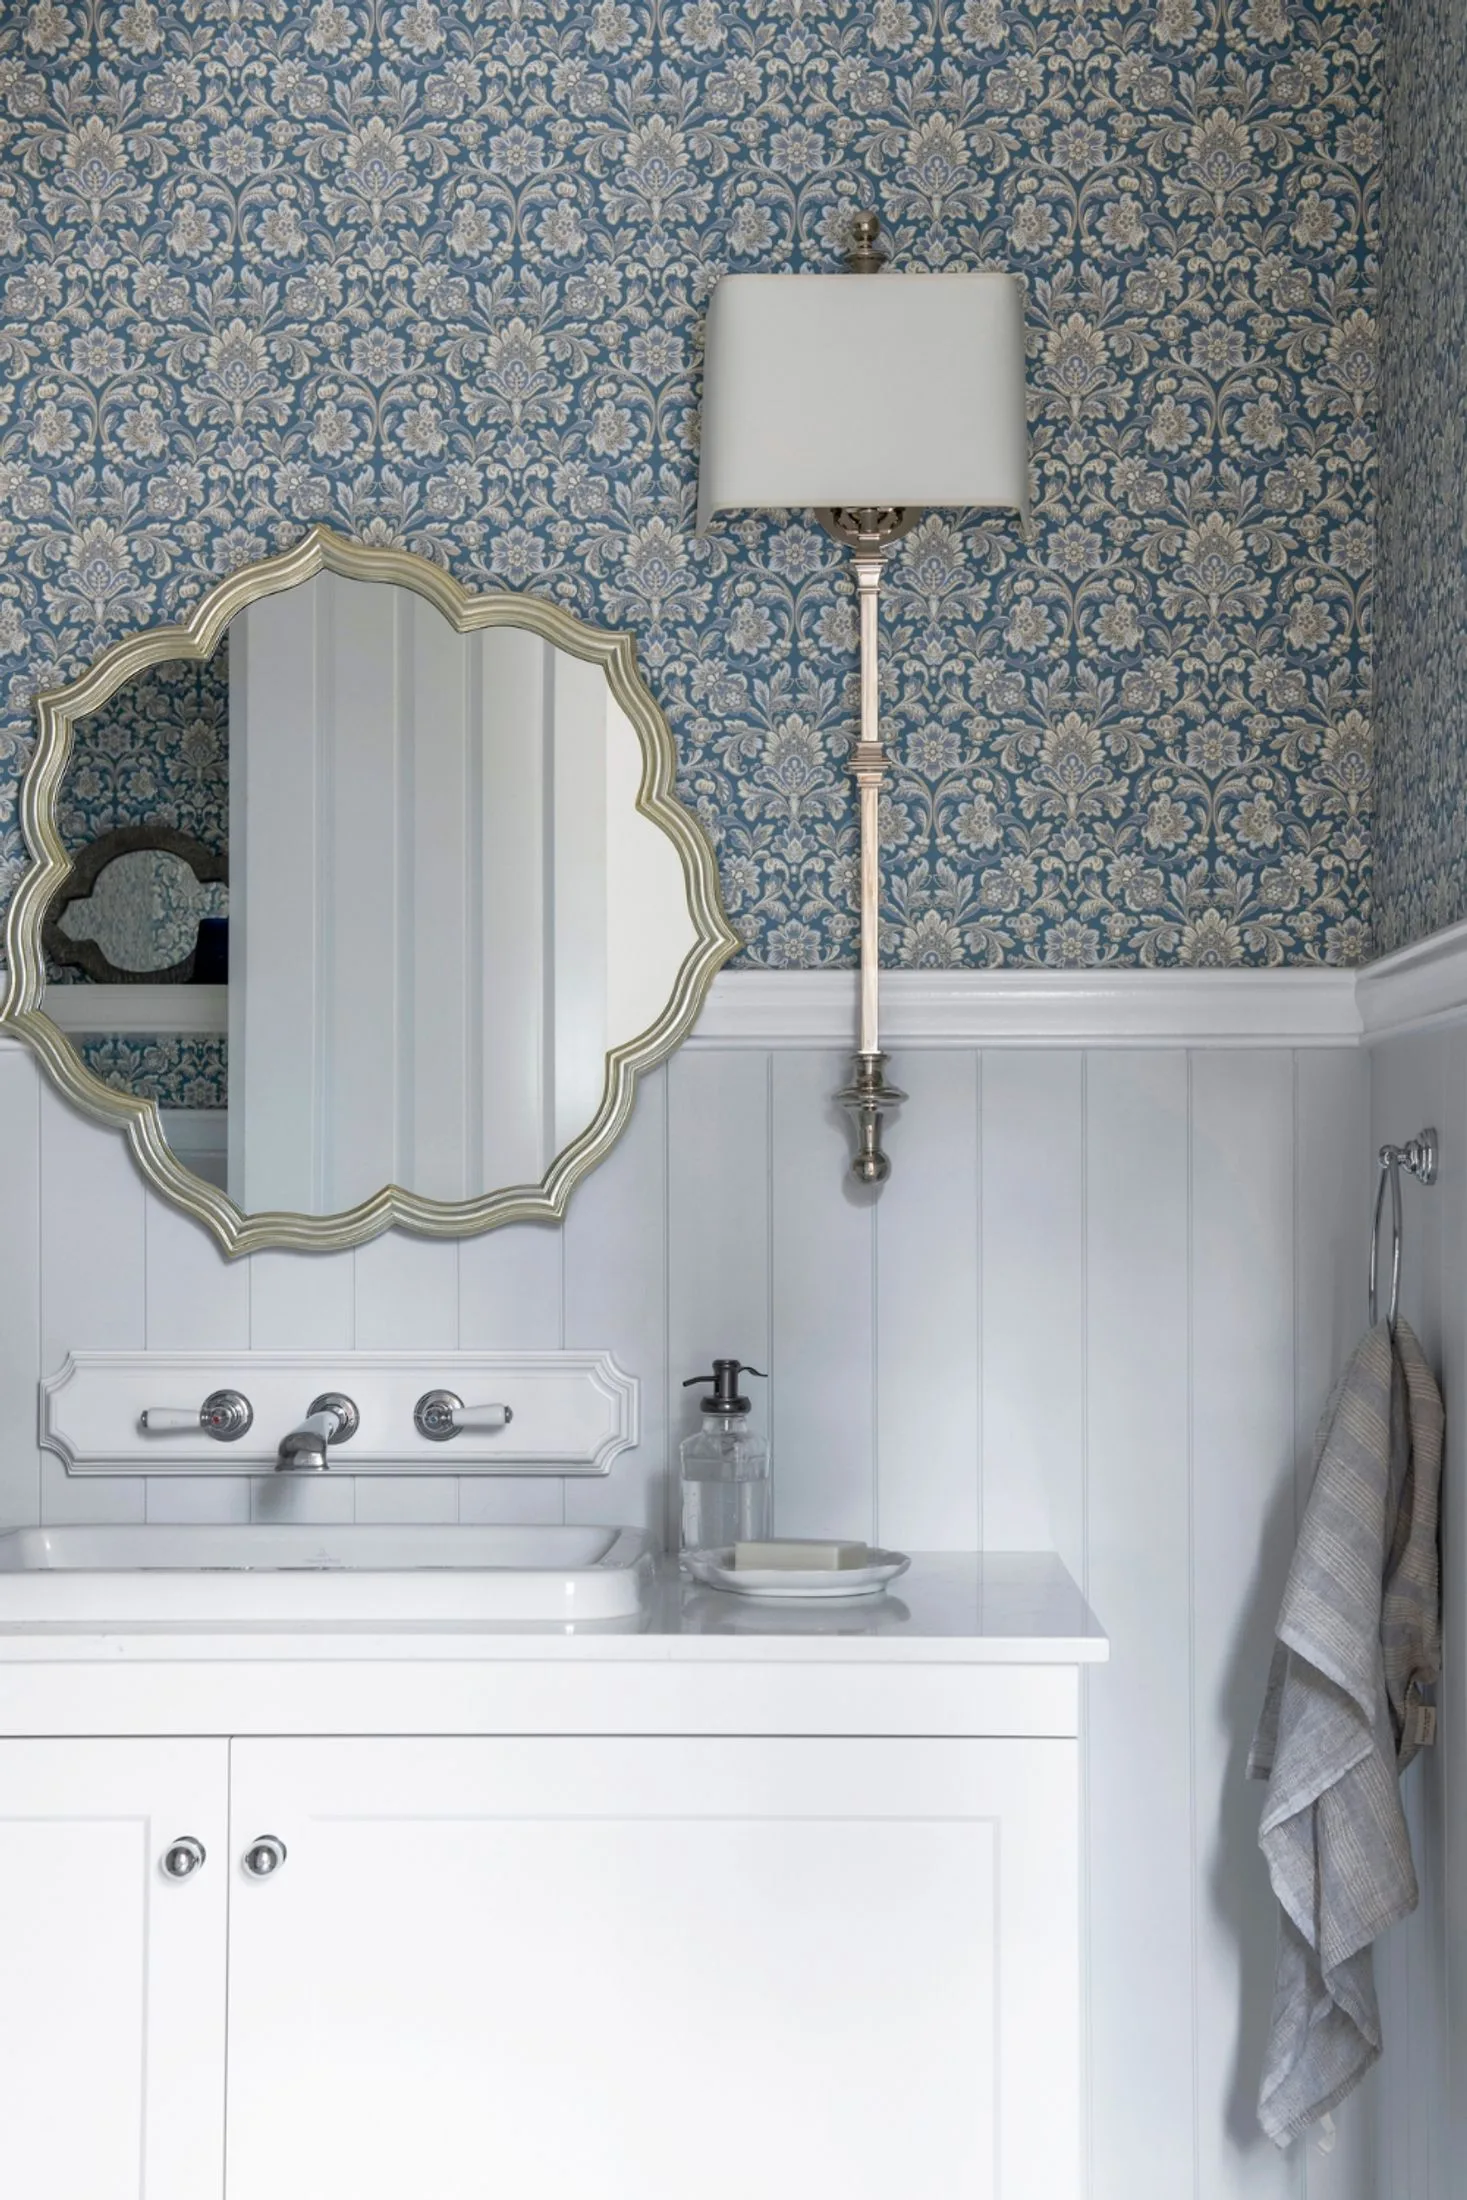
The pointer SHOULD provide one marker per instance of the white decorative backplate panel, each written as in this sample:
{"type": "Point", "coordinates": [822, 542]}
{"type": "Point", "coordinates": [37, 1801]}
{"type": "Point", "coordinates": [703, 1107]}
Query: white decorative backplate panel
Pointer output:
{"type": "Point", "coordinates": [573, 1412]}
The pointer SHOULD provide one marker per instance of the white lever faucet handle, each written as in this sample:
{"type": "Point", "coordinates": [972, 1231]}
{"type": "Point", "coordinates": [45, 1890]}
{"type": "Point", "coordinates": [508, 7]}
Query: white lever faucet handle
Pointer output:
{"type": "Point", "coordinates": [224, 1415]}
{"type": "Point", "coordinates": [482, 1420]}
{"type": "Point", "coordinates": [440, 1414]}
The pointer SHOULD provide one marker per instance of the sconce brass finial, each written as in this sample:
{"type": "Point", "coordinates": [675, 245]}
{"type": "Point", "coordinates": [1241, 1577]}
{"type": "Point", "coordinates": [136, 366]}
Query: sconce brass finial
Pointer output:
{"type": "Point", "coordinates": [866, 256]}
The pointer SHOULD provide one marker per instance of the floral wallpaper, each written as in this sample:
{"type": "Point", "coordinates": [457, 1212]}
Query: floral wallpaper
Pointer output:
{"type": "Point", "coordinates": [1421, 855]}
{"type": "Point", "coordinates": [157, 752]}
{"type": "Point", "coordinates": [187, 1072]}
{"type": "Point", "coordinates": [435, 270]}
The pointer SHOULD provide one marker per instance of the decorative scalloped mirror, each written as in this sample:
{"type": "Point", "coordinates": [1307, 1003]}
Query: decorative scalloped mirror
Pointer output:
{"type": "Point", "coordinates": [464, 908]}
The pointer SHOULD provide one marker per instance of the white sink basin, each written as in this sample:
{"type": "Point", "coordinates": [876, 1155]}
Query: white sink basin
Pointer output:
{"type": "Point", "coordinates": [265, 1573]}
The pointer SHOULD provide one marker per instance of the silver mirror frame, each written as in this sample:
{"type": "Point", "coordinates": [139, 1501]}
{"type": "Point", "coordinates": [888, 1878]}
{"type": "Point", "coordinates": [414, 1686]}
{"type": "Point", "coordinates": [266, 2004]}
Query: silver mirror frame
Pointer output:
{"type": "Point", "coordinates": [196, 637]}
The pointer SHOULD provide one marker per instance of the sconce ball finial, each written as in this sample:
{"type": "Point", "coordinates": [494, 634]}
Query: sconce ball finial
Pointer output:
{"type": "Point", "coordinates": [865, 256]}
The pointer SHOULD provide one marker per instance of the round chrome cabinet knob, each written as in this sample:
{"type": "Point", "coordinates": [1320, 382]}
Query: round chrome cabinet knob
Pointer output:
{"type": "Point", "coordinates": [183, 1859]}
{"type": "Point", "coordinates": [264, 1856]}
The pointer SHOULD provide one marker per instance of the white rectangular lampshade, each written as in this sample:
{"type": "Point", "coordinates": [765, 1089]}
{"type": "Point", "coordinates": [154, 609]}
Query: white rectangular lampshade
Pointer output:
{"type": "Point", "coordinates": [864, 390]}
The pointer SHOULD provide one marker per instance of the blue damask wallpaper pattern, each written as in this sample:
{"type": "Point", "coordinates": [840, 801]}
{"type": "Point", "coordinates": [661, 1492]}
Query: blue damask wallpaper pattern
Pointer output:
{"type": "Point", "coordinates": [188, 1072]}
{"type": "Point", "coordinates": [1421, 835]}
{"type": "Point", "coordinates": [434, 270]}
{"type": "Point", "coordinates": [158, 752]}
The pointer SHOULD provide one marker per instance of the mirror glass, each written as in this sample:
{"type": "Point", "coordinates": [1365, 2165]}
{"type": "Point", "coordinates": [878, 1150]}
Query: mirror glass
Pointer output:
{"type": "Point", "coordinates": [399, 882]}
{"type": "Point", "coordinates": [143, 913]}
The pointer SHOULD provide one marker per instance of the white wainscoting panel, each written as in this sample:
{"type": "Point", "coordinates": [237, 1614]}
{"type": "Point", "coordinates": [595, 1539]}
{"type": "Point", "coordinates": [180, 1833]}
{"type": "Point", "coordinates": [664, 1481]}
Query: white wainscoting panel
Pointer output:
{"type": "Point", "coordinates": [92, 1276]}
{"type": "Point", "coordinates": [21, 1349]}
{"type": "Point", "coordinates": [719, 1259]}
{"type": "Point", "coordinates": [1099, 1304]}
{"type": "Point", "coordinates": [1244, 1133]}
{"type": "Point", "coordinates": [511, 1286]}
{"type": "Point", "coordinates": [406, 1300]}
{"type": "Point", "coordinates": [1139, 1559]}
{"type": "Point", "coordinates": [822, 1277]}
{"type": "Point", "coordinates": [1032, 1367]}
{"type": "Point", "coordinates": [928, 1322]}
{"type": "Point", "coordinates": [615, 1299]}
{"type": "Point", "coordinates": [194, 1302]}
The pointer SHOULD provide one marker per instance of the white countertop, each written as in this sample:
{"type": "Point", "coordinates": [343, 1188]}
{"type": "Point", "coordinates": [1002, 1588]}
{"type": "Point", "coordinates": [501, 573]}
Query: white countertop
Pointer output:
{"type": "Point", "coordinates": [951, 1608]}
{"type": "Point", "coordinates": [962, 1607]}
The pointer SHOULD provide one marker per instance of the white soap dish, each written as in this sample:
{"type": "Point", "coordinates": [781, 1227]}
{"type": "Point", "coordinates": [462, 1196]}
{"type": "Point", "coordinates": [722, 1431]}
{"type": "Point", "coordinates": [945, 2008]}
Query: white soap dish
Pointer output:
{"type": "Point", "coordinates": [716, 1570]}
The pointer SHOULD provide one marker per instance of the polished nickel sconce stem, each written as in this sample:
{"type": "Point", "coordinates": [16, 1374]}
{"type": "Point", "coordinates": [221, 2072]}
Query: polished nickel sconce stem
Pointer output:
{"type": "Point", "coordinates": [868, 768]}
{"type": "Point", "coordinates": [868, 533]}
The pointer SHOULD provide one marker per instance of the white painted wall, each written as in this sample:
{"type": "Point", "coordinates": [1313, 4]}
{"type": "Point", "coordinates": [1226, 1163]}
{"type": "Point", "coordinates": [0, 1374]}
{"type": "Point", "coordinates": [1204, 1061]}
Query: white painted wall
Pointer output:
{"type": "Point", "coordinates": [1101, 1301]}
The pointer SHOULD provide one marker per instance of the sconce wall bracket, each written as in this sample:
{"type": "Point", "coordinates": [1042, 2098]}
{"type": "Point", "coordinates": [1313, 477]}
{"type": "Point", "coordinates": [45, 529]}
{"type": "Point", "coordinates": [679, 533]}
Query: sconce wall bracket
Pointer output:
{"type": "Point", "coordinates": [869, 1098]}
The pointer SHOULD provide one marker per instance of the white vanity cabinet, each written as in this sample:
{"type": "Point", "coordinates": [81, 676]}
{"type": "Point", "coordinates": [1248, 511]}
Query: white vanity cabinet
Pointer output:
{"type": "Point", "coordinates": [112, 1981]}
{"type": "Point", "coordinates": [543, 1966]}
{"type": "Point", "coordinates": [639, 1967]}
{"type": "Point", "coordinates": [623, 1913]}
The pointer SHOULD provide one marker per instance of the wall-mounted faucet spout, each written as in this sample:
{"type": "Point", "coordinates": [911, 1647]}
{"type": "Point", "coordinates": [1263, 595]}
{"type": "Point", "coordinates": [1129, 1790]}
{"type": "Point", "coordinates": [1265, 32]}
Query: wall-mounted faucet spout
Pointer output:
{"type": "Point", "coordinates": [303, 1451]}
{"type": "Point", "coordinates": [332, 1419]}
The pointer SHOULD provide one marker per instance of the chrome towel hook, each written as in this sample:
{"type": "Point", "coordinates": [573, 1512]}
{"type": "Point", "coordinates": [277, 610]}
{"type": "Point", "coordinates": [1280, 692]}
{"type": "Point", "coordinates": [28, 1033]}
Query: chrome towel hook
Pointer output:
{"type": "Point", "coordinates": [1418, 1158]}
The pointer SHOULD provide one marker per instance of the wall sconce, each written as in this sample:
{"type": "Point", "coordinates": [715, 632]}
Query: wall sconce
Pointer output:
{"type": "Point", "coordinates": [868, 402]}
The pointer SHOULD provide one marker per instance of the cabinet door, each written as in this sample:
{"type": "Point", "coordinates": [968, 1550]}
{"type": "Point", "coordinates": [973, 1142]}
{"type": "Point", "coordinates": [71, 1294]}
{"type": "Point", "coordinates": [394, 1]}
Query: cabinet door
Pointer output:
{"type": "Point", "coordinates": [640, 1968]}
{"type": "Point", "coordinates": [111, 1971]}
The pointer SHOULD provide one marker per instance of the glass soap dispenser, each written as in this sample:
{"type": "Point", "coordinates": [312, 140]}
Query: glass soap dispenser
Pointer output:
{"type": "Point", "coordinates": [725, 1468]}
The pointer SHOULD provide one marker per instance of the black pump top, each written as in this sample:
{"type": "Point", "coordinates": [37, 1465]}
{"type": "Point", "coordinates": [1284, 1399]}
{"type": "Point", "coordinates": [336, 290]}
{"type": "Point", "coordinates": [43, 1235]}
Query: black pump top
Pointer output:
{"type": "Point", "coordinates": [725, 1381]}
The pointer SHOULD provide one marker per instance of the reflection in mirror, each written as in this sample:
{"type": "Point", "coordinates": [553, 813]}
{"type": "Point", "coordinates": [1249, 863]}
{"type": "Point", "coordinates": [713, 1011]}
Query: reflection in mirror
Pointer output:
{"type": "Point", "coordinates": [461, 905]}
{"type": "Point", "coordinates": [148, 915]}
{"type": "Point", "coordinates": [144, 816]}
{"type": "Point", "coordinates": [447, 906]}
{"type": "Point", "coordinates": [156, 752]}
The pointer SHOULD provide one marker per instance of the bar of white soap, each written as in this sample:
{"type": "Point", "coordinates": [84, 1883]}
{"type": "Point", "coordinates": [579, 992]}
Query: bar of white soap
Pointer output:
{"type": "Point", "coordinates": [799, 1557]}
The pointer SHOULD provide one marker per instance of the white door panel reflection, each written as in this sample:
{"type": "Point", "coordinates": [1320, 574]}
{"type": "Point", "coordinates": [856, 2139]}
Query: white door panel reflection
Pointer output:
{"type": "Point", "coordinates": [446, 906]}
